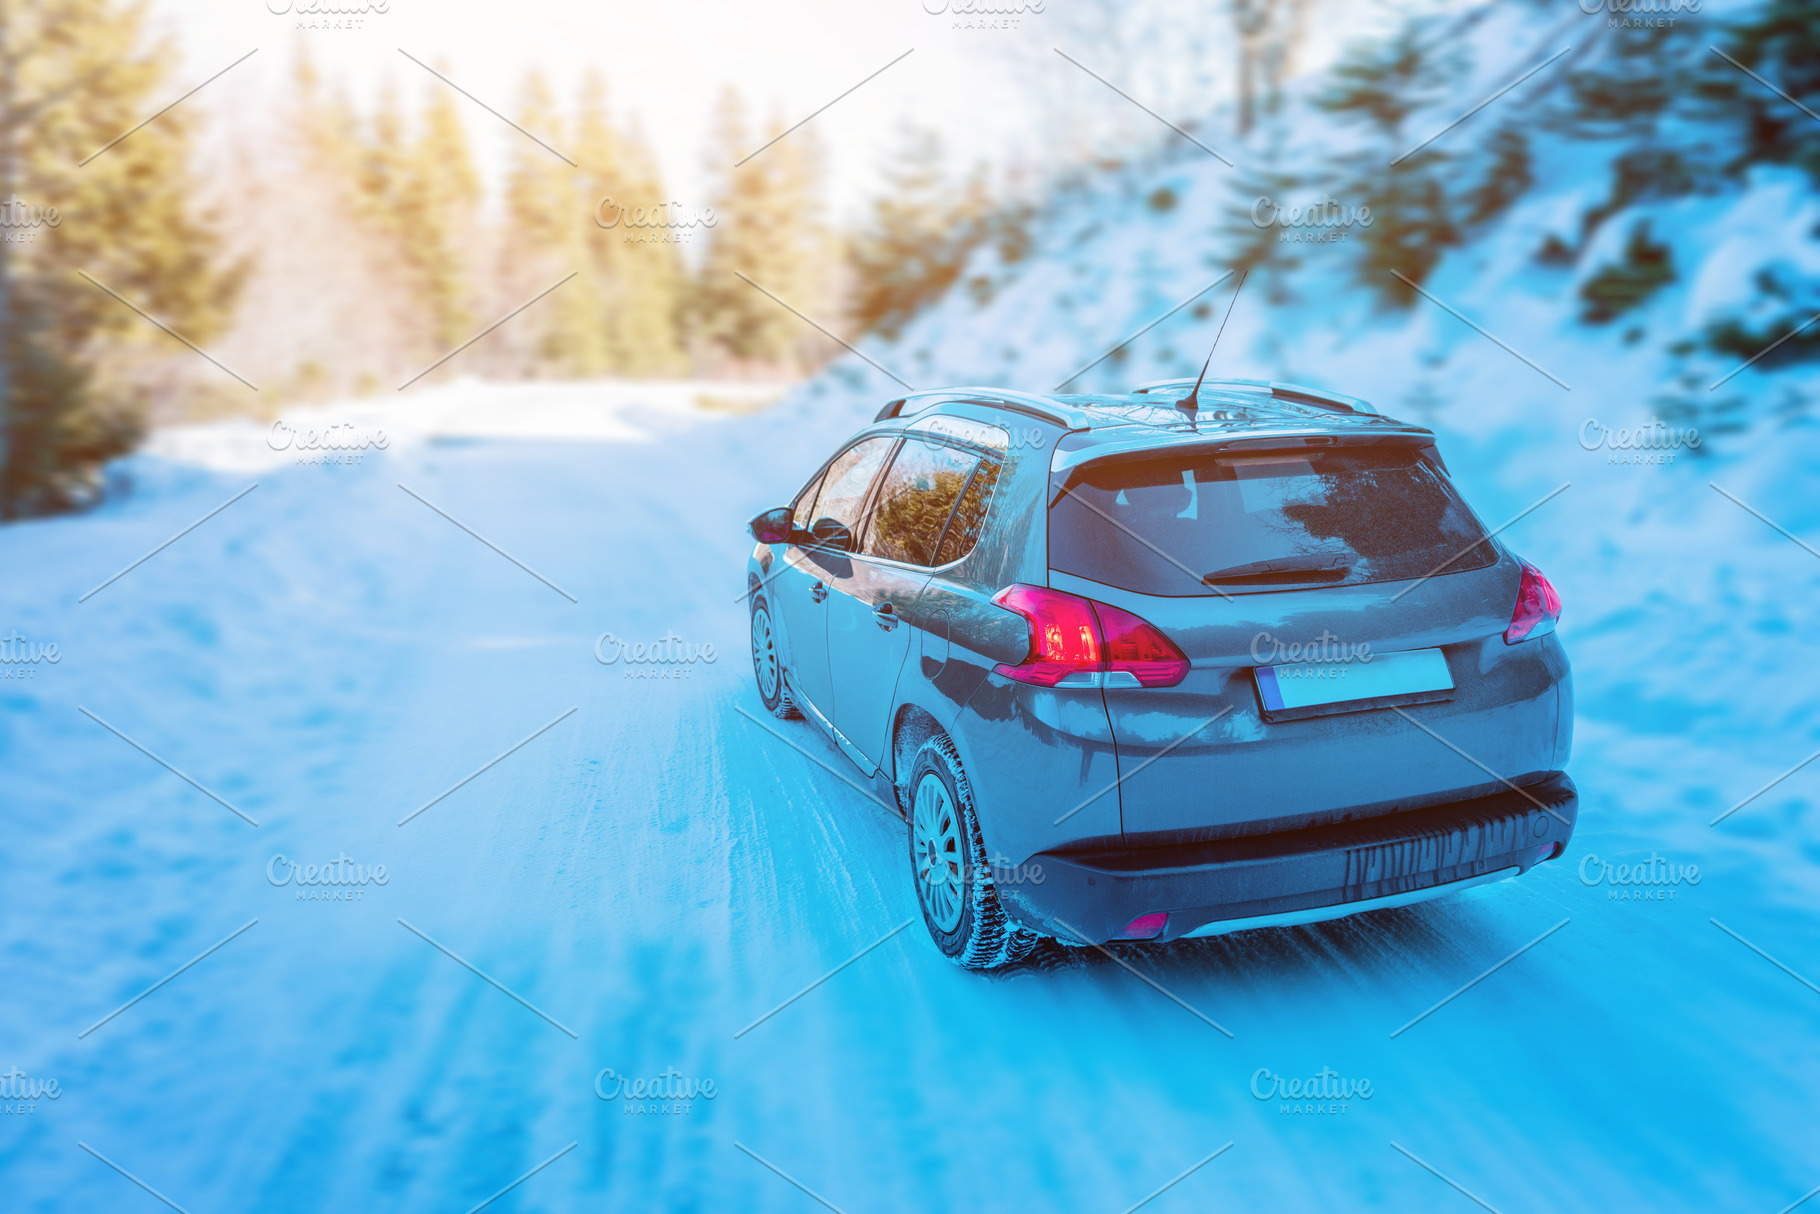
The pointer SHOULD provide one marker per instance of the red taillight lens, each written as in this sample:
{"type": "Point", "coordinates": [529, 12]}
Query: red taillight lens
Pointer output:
{"type": "Point", "coordinates": [1538, 607]}
{"type": "Point", "coordinates": [1064, 636]}
{"type": "Point", "coordinates": [1073, 636]}
{"type": "Point", "coordinates": [1145, 927]}
{"type": "Point", "coordinates": [1138, 646]}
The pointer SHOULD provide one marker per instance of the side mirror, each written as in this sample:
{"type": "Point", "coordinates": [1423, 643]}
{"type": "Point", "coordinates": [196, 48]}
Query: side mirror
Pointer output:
{"type": "Point", "coordinates": [771, 527]}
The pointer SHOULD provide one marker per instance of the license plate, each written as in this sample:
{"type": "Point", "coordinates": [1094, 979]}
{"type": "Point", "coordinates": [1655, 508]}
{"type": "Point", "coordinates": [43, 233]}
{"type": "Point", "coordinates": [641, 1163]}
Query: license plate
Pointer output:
{"type": "Point", "coordinates": [1306, 688]}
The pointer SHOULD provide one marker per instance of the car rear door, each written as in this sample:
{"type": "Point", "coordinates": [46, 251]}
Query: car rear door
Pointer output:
{"type": "Point", "coordinates": [1326, 564]}
{"type": "Point", "coordinates": [874, 613]}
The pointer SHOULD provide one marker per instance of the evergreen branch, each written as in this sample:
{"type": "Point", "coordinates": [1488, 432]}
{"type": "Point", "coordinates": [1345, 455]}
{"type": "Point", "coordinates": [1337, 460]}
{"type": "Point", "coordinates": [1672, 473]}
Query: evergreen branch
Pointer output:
{"type": "Point", "coordinates": [180, 337]}
{"type": "Point", "coordinates": [161, 113]}
{"type": "Point", "coordinates": [1766, 84]}
{"type": "Point", "coordinates": [464, 345]}
{"type": "Point", "coordinates": [489, 109]}
{"type": "Point", "coordinates": [1475, 109]}
{"type": "Point", "coordinates": [786, 307]}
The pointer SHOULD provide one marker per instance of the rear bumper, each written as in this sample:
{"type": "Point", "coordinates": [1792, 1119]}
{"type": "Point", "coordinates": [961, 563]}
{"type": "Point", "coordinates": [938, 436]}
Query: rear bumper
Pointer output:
{"type": "Point", "coordinates": [1280, 878]}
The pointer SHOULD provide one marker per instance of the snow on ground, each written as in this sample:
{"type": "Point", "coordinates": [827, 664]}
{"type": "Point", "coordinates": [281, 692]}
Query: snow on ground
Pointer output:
{"type": "Point", "coordinates": [656, 872]}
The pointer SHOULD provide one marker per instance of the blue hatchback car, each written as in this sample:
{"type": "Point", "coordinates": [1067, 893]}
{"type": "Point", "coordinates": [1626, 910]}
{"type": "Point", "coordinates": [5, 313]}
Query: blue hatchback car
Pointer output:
{"type": "Point", "coordinates": [1166, 664]}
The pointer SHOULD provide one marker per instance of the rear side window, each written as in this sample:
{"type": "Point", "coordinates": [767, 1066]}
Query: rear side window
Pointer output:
{"type": "Point", "coordinates": [969, 517]}
{"type": "Point", "coordinates": [844, 486]}
{"type": "Point", "coordinates": [1210, 524]}
{"type": "Point", "coordinates": [915, 500]}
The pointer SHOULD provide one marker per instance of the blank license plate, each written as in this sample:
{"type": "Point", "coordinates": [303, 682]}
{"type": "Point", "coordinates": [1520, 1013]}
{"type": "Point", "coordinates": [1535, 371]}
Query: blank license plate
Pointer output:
{"type": "Point", "coordinates": [1302, 685]}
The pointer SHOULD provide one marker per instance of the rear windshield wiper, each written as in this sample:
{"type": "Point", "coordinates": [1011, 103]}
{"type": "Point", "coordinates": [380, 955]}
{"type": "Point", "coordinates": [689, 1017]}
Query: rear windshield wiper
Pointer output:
{"type": "Point", "coordinates": [1282, 567]}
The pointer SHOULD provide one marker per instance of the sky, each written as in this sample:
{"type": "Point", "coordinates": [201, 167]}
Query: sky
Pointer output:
{"type": "Point", "coordinates": [665, 64]}
{"type": "Point", "coordinates": [992, 93]}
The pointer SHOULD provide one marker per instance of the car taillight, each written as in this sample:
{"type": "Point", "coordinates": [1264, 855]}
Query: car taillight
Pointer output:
{"type": "Point", "coordinates": [1077, 642]}
{"type": "Point", "coordinates": [1537, 609]}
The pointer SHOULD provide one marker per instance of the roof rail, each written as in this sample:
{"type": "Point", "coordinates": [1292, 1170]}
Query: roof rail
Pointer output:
{"type": "Point", "coordinates": [1319, 397]}
{"type": "Point", "coordinates": [1023, 402]}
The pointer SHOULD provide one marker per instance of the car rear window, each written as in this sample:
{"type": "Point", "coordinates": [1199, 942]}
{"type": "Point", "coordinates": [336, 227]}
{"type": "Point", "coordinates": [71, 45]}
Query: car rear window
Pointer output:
{"type": "Point", "coordinates": [1240, 524]}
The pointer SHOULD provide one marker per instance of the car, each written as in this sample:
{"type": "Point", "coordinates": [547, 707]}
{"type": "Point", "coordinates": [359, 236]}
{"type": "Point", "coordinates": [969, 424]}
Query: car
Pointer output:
{"type": "Point", "coordinates": [1171, 663]}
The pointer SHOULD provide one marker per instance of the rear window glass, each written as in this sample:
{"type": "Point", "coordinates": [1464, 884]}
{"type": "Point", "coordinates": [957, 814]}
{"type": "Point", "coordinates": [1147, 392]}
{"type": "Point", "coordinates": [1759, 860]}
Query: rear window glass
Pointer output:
{"type": "Point", "coordinates": [1240, 524]}
{"type": "Point", "coordinates": [915, 500]}
{"type": "Point", "coordinates": [969, 516]}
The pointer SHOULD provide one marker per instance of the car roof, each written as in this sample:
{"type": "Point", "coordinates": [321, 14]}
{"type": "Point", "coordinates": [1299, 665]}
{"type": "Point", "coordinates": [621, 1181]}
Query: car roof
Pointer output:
{"type": "Point", "coordinates": [1149, 416]}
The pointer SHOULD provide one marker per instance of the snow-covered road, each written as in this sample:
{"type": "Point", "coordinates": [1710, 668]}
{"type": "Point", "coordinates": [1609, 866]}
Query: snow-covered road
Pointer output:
{"type": "Point", "coordinates": [655, 872]}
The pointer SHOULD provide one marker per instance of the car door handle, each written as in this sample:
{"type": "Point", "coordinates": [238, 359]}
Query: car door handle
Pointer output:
{"type": "Point", "coordinates": [886, 615]}
{"type": "Point", "coordinates": [818, 592]}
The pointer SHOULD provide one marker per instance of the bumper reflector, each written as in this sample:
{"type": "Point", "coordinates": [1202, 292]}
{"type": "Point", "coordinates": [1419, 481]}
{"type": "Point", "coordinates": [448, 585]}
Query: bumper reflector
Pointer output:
{"type": "Point", "coordinates": [1550, 851]}
{"type": "Point", "coordinates": [1145, 927]}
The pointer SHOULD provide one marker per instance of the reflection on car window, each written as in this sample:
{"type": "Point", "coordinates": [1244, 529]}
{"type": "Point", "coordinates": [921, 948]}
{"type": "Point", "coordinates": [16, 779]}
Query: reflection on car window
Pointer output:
{"type": "Point", "coordinates": [844, 488]}
{"type": "Point", "coordinates": [802, 509]}
{"type": "Point", "coordinates": [915, 500]}
{"type": "Point", "coordinates": [1232, 524]}
{"type": "Point", "coordinates": [969, 516]}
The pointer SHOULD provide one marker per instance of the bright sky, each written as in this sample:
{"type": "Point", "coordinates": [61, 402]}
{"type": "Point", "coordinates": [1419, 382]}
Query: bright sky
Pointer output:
{"type": "Point", "coordinates": [988, 91]}
{"type": "Point", "coordinates": [664, 61]}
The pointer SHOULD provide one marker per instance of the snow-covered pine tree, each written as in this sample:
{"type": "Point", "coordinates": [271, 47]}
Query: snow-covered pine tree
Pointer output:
{"type": "Point", "coordinates": [75, 74]}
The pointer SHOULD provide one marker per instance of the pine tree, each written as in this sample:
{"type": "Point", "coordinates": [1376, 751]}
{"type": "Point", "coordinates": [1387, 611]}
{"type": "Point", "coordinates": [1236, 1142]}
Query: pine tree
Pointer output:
{"type": "Point", "coordinates": [545, 241]}
{"type": "Point", "coordinates": [437, 214]}
{"type": "Point", "coordinates": [75, 74]}
{"type": "Point", "coordinates": [770, 228]}
{"type": "Point", "coordinates": [635, 273]}
{"type": "Point", "coordinates": [923, 226]}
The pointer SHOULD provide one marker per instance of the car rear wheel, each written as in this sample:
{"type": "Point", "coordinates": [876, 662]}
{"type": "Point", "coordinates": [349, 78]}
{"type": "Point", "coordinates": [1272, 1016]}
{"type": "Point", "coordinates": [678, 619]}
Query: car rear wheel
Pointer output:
{"type": "Point", "coordinates": [767, 669]}
{"type": "Point", "coordinates": [949, 868]}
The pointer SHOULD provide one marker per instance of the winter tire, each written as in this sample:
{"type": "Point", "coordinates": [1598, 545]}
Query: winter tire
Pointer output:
{"type": "Point", "coordinates": [767, 668]}
{"type": "Point", "coordinates": [949, 867]}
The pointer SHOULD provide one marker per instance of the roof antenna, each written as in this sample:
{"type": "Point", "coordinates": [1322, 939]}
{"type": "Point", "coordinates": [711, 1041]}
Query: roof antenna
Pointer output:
{"type": "Point", "coordinates": [1188, 404]}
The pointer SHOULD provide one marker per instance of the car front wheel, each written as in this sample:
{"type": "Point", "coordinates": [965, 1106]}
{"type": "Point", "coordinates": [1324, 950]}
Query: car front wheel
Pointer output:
{"type": "Point", "coordinates": [948, 865]}
{"type": "Point", "coordinates": [767, 669]}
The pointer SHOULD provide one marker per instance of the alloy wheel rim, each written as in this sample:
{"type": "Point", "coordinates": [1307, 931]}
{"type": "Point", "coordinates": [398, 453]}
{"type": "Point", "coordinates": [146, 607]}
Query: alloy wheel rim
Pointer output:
{"type": "Point", "coordinates": [764, 653]}
{"type": "Point", "coordinates": [935, 848]}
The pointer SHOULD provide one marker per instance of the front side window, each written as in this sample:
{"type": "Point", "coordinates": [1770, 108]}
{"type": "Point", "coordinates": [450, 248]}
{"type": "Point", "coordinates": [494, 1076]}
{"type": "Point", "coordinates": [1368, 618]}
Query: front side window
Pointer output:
{"type": "Point", "coordinates": [915, 500]}
{"type": "Point", "coordinates": [802, 510]}
{"type": "Point", "coordinates": [843, 491]}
